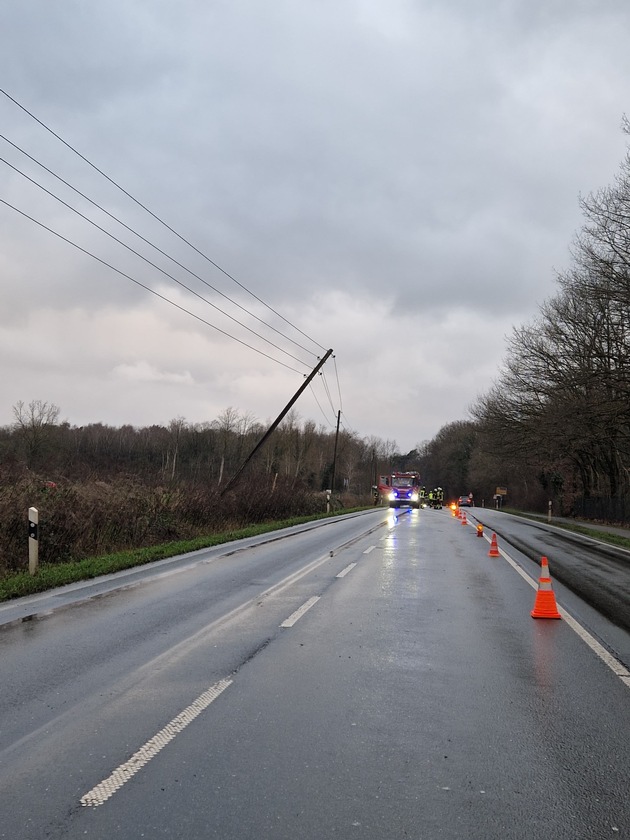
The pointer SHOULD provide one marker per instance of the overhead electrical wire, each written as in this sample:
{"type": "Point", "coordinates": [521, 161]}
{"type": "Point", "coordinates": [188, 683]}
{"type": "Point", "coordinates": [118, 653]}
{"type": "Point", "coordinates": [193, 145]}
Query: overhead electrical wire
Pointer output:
{"type": "Point", "coordinates": [324, 415]}
{"type": "Point", "coordinates": [344, 426]}
{"type": "Point", "coordinates": [338, 384]}
{"type": "Point", "coordinates": [165, 254]}
{"type": "Point", "coordinates": [145, 287]}
{"type": "Point", "coordinates": [143, 239]}
{"type": "Point", "coordinates": [157, 218]}
{"type": "Point", "coordinates": [149, 262]}
{"type": "Point", "coordinates": [327, 390]}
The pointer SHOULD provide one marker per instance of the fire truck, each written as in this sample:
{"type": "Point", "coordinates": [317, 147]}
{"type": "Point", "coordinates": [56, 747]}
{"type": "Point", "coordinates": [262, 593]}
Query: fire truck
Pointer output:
{"type": "Point", "coordinates": [400, 488]}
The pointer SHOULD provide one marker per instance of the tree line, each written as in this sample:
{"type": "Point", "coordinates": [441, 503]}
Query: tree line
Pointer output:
{"type": "Point", "coordinates": [299, 453]}
{"type": "Point", "coordinates": [559, 412]}
{"type": "Point", "coordinates": [100, 488]}
{"type": "Point", "coordinates": [555, 426]}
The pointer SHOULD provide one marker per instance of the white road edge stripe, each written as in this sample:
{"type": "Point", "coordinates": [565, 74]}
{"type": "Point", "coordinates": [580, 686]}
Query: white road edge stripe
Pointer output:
{"type": "Point", "coordinates": [300, 612]}
{"type": "Point", "coordinates": [615, 666]}
{"type": "Point", "coordinates": [345, 571]}
{"type": "Point", "coordinates": [108, 787]}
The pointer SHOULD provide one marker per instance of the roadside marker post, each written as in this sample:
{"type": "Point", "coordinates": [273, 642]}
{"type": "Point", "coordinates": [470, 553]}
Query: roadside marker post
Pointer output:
{"type": "Point", "coordinates": [33, 540]}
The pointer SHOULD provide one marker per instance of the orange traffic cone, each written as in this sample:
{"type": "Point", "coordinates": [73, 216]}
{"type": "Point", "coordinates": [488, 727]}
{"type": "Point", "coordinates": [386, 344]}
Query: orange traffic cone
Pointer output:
{"type": "Point", "coordinates": [545, 603]}
{"type": "Point", "coordinates": [494, 548]}
{"type": "Point", "coordinates": [464, 520]}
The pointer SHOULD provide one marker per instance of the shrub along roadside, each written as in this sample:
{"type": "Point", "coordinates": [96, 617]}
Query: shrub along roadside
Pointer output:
{"type": "Point", "coordinates": [89, 517]}
{"type": "Point", "coordinates": [49, 576]}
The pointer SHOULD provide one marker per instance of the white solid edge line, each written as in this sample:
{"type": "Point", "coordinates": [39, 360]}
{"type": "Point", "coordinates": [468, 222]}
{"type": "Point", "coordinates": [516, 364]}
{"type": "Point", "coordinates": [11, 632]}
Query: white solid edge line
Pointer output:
{"type": "Point", "coordinates": [290, 621]}
{"type": "Point", "coordinates": [108, 787]}
{"type": "Point", "coordinates": [345, 571]}
{"type": "Point", "coordinates": [615, 666]}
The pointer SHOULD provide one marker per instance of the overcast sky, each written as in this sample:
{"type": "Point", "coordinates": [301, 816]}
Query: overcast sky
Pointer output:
{"type": "Point", "coordinates": [399, 181]}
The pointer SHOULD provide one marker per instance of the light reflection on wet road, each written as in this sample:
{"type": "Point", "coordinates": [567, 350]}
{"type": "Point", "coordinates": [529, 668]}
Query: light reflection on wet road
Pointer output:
{"type": "Point", "coordinates": [414, 697]}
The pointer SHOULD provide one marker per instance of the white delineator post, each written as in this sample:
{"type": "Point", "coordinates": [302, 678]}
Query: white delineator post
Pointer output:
{"type": "Point", "coordinates": [33, 540]}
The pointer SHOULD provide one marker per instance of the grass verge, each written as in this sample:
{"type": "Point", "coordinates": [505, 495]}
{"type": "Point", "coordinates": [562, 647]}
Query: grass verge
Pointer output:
{"type": "Point", "coordinates": [603, 536]}
{"type": "Point", "coordinates": [52, 575]}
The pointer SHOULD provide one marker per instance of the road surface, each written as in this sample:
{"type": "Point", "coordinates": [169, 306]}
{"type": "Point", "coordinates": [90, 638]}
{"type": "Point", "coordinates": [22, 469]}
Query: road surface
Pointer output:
{"type": "Point", "coordinates": [380, 677]}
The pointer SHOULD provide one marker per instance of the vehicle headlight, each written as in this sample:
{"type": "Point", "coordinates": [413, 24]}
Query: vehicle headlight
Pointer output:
{"type": "Point", "coordinates": [414, 497]}
{"type": "Point", "coordinates": [392, 496]}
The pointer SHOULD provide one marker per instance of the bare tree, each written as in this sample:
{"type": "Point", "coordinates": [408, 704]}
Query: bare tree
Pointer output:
{"type": "Point", "coordinates": [175, 428]}
{"type": "Point", "coordinates": [227, 424]}
{"type": "Point", "coordinates": [33, 424]}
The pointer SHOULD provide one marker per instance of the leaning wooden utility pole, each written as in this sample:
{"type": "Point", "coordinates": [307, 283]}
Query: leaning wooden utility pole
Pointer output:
{"type": "Point", "coordinates": [277, 421]}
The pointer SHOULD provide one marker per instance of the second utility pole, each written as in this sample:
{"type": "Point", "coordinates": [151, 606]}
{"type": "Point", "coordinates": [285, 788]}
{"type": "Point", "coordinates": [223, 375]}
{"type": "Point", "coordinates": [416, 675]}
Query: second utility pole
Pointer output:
{"type": "Point", "coordinates": [334, 469]}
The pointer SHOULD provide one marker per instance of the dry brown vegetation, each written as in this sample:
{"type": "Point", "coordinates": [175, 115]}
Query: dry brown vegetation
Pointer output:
{"type": "Point", "coordinates": [100, 489]}
{"type": "Point", "coordinates": [82, 517]}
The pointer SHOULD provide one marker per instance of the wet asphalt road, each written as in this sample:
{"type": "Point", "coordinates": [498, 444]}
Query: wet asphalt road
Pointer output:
{"type": "Point", "coordinates": [598, 573]}
{"type": "Point", "coordinates": [415, 697]}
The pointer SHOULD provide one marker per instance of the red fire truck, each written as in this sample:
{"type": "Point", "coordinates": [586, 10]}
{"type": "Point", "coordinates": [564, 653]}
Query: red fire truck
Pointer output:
{"type": "Point", "coordinates": [400, 488]}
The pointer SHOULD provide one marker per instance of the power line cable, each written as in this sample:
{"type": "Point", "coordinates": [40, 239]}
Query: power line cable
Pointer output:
{"type": "Point", "coordinates": [327, 389]}
{"type": "Point", "coordinates": [149, 262]}
{"type": "Point", "coordinates": [338, 383]}
{"type": "Point", "coordinates": [156, 217]}
{"type": "Point", "coordinates": [345, 428]}
{"type": "Point", "coordinates": [146, 288]}
{"type": "Point", "coordinates": [324, 415]}
{"type": "Point", "coordinates": [145, 240]}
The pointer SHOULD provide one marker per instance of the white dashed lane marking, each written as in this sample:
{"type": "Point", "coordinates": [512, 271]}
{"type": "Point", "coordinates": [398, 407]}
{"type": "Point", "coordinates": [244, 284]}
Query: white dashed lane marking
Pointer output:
{"type": "Point", "coordinates": [108, 787]}
{"type": "Point", "coordinates": [300, 612]}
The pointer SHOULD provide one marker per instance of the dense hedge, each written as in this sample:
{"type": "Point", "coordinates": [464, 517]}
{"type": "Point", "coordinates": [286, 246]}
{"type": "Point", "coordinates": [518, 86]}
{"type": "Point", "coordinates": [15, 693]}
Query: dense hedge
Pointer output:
{"type": "Point", "coordinates": [83, 518]}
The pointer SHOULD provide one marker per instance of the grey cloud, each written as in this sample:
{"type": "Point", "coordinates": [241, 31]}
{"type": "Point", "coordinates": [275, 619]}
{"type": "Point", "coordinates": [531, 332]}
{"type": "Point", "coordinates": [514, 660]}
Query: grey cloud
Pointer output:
{"type": "Point", "coordinates": [428, 155]}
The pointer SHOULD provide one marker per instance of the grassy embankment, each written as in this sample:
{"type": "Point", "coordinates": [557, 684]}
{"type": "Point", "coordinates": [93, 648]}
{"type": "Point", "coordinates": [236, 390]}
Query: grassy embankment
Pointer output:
{"type": "Point", "coordinates": [49, 576]}
{"type": "Point", "coordinates": [577, 528]}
